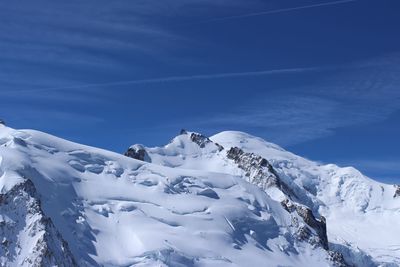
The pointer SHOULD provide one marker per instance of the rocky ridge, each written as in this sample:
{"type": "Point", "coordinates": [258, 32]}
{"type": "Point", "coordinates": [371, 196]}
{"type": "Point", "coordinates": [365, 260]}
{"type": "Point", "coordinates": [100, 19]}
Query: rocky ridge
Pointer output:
{"type": "Point", "coordinates": [261, 173]}
{"type": "Point", "coordinates": [23, 222]}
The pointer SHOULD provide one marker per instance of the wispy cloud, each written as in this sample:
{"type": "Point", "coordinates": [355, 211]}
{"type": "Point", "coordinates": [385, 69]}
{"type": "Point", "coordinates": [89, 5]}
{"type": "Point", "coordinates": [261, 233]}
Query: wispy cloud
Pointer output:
{"type": "Point", "coordinates": [168, 79]}
{"type": "Point", "coordinates": [55, 44]}
{"type": "Point", "coordinates": [49, 48]}
{"type": "Point", "coordinates": [280, 10]}
{"type": "Point", "coordinates": [363, 93]}
{"type": "Point", "coordinates": [70, 41]}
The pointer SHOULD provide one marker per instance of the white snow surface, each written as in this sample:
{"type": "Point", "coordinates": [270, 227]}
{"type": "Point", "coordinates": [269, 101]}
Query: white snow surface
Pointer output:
{"type": "Point", "coordinates": [190, 207]}
{"type": "Point", "coordinates": [362, 214]}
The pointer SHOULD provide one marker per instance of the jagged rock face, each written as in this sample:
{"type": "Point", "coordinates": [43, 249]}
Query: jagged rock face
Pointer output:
{"type": "Point", "coordinates": [202, 140]}
{"type": "Point", "coordinates": [261, 173]}
{"type": "Point", "coordinates": [397, 192]}
{"type": "Point", "coordinates": [337, 259]}
{"type": "Point", "coordinates": [258, 170]}
{"type": "Point", "coordinates": [189, 207]}
{"type": "Point", "coordinates": [137, 152]}
{"type": "Point", "coordinates": [28, 237]}
{"type": "Point", "coordinates": [2, 122]}
{"type": "Point", "coordinates": [319, 226]}
{"type": "Point", "coordinates": [283, 176]}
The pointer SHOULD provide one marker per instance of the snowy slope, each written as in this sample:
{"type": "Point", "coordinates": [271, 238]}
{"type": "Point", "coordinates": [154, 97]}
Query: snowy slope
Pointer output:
{"type": "Point", "coordinates": [92, 207]}
{"type": "Point", "coordinates": [361, 213]}
{"type": "Point", "coordinates": [359, 210]}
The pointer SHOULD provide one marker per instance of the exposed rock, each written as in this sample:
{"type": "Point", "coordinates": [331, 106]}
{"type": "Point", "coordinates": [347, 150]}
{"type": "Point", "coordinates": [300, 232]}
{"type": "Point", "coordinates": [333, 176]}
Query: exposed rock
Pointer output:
{"type": "Point", "coordinates": [138, 152]}
{"type": "Point", "coordinates": [201, 140]}
{"type": "Point", "coordinates": [397, 191]}
{"type": "Point", "coordinates": [319, 226]}
{"type": "Point", "coordinates": [220, 148]}
{"type": "Point", "coordinates": [288, 205]}
{"type": "Point", "coordinates": [183, 131]}
{"type": "Point", "coordinates": [261, 173]}
{"type": "Point", "coordinates": [29, 238]}
{"type": "Point", "coordinates": [2, 122]}
{"type": "Point", "coordinates": [258, 170]}
{"type": "Point", "coordinates": [351, 256]}
{"type": "Point", "coordinates": [337, 259]}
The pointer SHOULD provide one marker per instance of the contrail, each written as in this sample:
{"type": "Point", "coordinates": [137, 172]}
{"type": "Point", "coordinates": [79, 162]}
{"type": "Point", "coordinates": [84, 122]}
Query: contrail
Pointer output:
{"type": "Point", "coordinates": [177, 79]}
{"type": "Point", "coordinates": [274, 11]}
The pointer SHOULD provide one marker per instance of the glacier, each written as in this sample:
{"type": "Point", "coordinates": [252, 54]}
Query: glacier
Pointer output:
{"type": "Point", "coordinates": [228, 200]}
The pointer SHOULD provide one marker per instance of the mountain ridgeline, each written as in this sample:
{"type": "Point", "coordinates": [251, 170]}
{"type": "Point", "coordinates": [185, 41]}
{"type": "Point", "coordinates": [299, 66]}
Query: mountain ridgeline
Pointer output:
{"type": "Point", "coordinates": [288, 179]}
{"type": "Point", "coordinates": [231, 199]}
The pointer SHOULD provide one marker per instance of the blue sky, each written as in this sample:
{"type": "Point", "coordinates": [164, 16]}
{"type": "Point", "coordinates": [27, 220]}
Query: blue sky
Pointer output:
{"type": "Point", "coordinates": [320, 78]}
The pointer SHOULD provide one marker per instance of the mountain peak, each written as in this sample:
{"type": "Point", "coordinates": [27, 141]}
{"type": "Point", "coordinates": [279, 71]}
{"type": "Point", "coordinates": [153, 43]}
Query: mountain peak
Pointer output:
{"type": "Point", "coordinates": [186, 138]}
{"type": "Point", "coordinates": [242, 140]}
{"type": "Point", "coordinates": [192, 202]}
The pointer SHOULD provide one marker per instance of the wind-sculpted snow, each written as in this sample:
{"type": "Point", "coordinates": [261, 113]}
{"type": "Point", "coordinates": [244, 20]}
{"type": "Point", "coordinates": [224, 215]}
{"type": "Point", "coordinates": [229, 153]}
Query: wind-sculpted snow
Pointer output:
{"type": "Point", "coordinates": [362, 215]}
{"type": "Point", "coordinates": [111, 210]}
{"type": "Point", "coordinates": [355, 211]}
{"type": "Point", "coordinates": [228, 200]}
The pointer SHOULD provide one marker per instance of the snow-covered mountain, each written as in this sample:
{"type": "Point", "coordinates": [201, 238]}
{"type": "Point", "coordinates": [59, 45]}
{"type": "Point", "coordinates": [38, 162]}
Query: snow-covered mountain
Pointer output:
{"type": "Point", "coordinates": [362, 215]}
{"type": "Point", "coordinates": [360, 212]}
{"type": "Point", "coordinates": [231, 200]}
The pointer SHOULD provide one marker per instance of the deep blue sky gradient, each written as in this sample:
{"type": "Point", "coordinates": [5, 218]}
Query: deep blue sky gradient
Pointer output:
{"type": "Point", "coordinates": [190, 65]}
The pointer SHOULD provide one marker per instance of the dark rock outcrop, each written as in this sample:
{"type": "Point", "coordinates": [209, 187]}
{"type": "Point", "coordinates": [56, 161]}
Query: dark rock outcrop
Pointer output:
{"type": "Point", "coordinates": [138, 152]}
{"type": "Point", "coordinates": [337, 259]}
{"type": "Point", "coordinates": [261, 173]}
{"type": "Point", "coordinates": [201, 140]}
{"type": "Point", "coordinates": [304, 233]}
{"type": "Point", "coordinates": [397, 191]}
{"type": "Point", "coordinates": [318, 225]}
{"type": "Point", "coordinates": [258, 170]}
